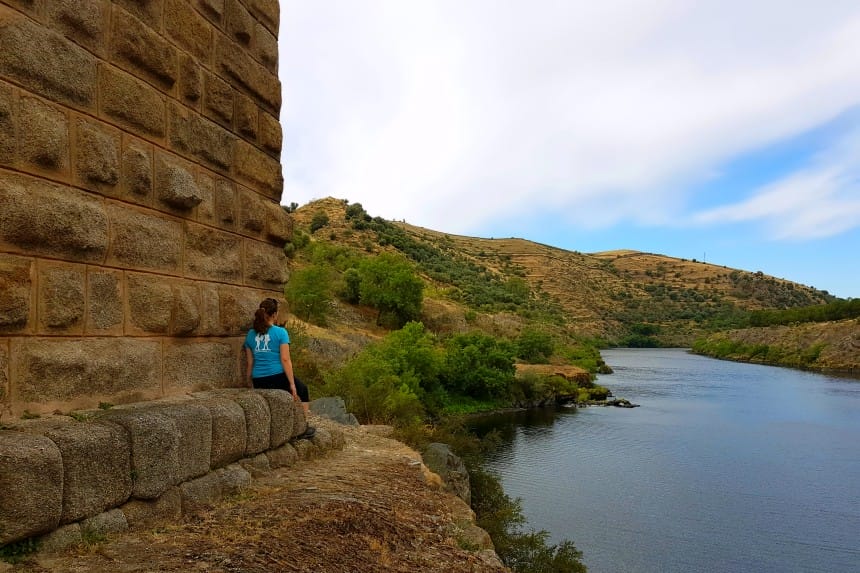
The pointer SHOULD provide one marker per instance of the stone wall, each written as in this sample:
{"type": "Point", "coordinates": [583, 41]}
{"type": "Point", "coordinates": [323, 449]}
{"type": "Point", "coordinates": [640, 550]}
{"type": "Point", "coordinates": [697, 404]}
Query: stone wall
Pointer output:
{"type": "Point", "coordinates": [140, 183]}
{"type": "Point", "coordinates": [103, 471]}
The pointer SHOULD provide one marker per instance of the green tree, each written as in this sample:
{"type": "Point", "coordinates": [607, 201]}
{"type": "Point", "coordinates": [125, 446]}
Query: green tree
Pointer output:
{"type": "Point", "coordinates": [309, 293]}
{"type": "Point", "coordinates": [479, 365]}
{"type": "Point", "coordinates": [389, 284]}
{"type": "Point", "coordinates": [351, 291]}
{"type": "Point", "coordinates": [318, 221]}
{"type": "Point", "coordinates": [534, 345]}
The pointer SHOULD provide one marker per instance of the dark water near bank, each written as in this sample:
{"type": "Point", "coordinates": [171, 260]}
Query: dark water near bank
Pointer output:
{"type": "Point", "coordinates": [725, 467]}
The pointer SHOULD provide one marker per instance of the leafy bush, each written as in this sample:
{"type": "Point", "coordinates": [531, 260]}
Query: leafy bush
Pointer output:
{"type": "Point", "coordinates": [534, 345]}
{"type": "Point", "coordinates": [318, 221]}
{"type": "Point", "coordinates": [309, 293]}
{"type": "Point", "coordinates": [478, 365]}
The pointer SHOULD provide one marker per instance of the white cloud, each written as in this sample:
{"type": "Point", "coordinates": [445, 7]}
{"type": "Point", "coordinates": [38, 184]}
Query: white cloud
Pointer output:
{"type": "Point", "coordinates": [449, 114]}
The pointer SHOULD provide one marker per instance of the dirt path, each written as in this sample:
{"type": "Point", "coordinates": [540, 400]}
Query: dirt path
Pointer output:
{"type": "Point", "coordinates": [365, 509]}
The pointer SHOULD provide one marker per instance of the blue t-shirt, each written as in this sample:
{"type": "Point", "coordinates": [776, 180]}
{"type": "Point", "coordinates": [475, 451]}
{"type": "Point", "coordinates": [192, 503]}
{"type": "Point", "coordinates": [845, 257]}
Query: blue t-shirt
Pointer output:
{"type": "Point", "coordinates": [267, 350]}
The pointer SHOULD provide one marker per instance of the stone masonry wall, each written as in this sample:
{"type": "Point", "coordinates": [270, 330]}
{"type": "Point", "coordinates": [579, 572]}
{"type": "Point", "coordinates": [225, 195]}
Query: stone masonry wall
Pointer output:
{"type": "Point", "coordinates": [140, 183]}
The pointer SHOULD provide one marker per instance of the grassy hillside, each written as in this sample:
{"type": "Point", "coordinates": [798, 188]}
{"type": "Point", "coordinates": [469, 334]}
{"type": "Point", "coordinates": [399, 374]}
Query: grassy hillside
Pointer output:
{"type": "Point", "coordinates": [502, 285]}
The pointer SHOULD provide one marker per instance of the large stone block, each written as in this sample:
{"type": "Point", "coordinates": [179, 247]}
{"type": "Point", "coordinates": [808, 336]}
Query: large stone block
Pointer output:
{"type": "Point", "coordinates": [210, 309]}
{"type": "Point", "coordinates": [200, 494]}
{"type": "Point", "coordinates": [7, 124]}
{"type": "Point", "coordinates": [186, 309]}
{"type": "Point", "coordinates": [155, 448]}
{"type": "Point", "coordinates": [190, 80]}
{"type": "Point", "coordinates": [279, 223]}
{"type": "Point", "coordinates": [16, 285]}
{"type": "Point", "coordinates": [234, 479]}
{"type": "Point", "coordinates": [240, 23]}
{"type": "Point", "coordinates": [131, 102]}
{"type": "Point", "coordinates": [4, 371]}
{"type": "Point", "coordinates": [271, 136]}
{"type": "Point", "coordinates": [31, 485]}
{"type": "Point", "coordinates": [45, 62]}
{"type": "Point", "coordinates": [236, 309]}
{"type": "Point", "coordinates": [105, 301]}
{"type": "Point", "coordinates": [142, 51]}
{"type": "Point", "coordinates": [252, 212]}
{"type": "Point", "coordinates": [62, 297]}
{"type": "Point", "coordinates": [229, 432]}
{"type": "Point", "coordinates": [105, 523]}
{"type": "Point", "coordinates": [146, 514]}
{"type": "Point", "coordinates": [84, 21]}
{"type": "Point", "coordinates": [225, 203]}
{"type": "Point", "coordinates": [197, 137]}
{"type": "Point", "coordinates": [196, 365]}
{"type": "Point", "coordinates": [212, 254]}
{"type": "Point", "coordinates": [300, 421]}
{"type": "Point", "coordinates": [150, 304]}
{"type": "Point", "coordinates": [137, 171]}
{"type": "Point", "coordinates": [46, 370]}
{"type": "Point", "coordinates": [97, 156]}
{"type": "Point", "coordinates": [188, 28]}
{"type": "Point", "coordinates": [96, 467]}
{"type": "Point", "coordinates": [213, 10]}
{"type": "Point", "coordinates": [194, 424]}
{"type": "Point", "coordinates": [175, 185]}
{"type": "Point", "coordinates": [282, 412]}
{"type": "Point", "coordinates": [46, 144]}
{"type": "Point", "coordinates": [218, 104]}
{"type": "Point", "coordinates": [259, 170]}
{"type": "Point", "coordinates": [242, 70]}
{"type": "Point", "coordinates": [283, 457]}
{"type": "Point", "coordinates": [43, 218]}
{"type": "Point", "coordinates": [268, 12]}
{"type": "Point", "coordinates": [266, 48]}
{"type": "Point", "coordinates": [258, 421]}
{"type": "Point", "coordinates": [247, 116]}
{"type": "Point", "coordinates": [148, 11]}
{"type": "Point", "coordinates": [265, 265]}
{"type": "Point", "coordinates": [143, 240]}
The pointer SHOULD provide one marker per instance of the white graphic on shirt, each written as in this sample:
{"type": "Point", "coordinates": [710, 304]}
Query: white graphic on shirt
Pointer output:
{"type": "Point", "coordinates": [264, 338]}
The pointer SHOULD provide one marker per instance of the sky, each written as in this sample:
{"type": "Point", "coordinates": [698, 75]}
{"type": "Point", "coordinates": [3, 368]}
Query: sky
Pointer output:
{"type": "Point", "coordinates": [726, 131]}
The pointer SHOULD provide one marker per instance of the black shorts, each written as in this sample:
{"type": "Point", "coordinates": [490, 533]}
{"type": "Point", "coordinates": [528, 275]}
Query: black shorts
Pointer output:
{"type": "Point", "coordinates": [281, 382]}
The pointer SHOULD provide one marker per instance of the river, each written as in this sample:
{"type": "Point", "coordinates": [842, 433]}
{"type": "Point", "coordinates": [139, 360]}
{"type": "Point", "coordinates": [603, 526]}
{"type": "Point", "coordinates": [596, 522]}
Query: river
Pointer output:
{"type": "Point", "coordinates": [724, 467]}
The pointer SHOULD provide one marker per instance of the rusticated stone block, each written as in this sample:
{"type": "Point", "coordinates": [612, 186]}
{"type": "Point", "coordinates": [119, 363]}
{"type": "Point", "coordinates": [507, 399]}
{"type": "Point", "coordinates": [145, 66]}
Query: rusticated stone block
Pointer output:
{"type": "Point", "coordinates": [4, 371]}
{"type": "Point", "coordinates": [252, 212]}
{"type": "Point", "coordinates": [46, 144]}
{"type": "Point", "coordinates": [44, 218]}
{"type": "Point", "coordinates": [282, 412]}
{"type": "Point", "coordinates": [206, 190]}
{"type": "Point", "coordinates": [229, 432]}
{"type": "Point", "coordinates": [271, 136]}
{"type": "Point", "coordinates": [148, 11]}
{"type": "Point", "coordinates": [7, 124]}
{"type": "Point", "coordinates": [105, 296]}
{"type": "Point", "coordinates": [200, 494]}
{"type": "Point", "coordinates": [29, 6]}
{"type": "Point", "coordinates": [155, 448]}
{"type": "Point", "coordinates": [137, 171]}
{"type": "Point", "coordinates": [60, 539]}
{"type": "Point", "coordinates": [142, 51]}
{"type": "Point", "coordinates": [188, 28]}
{"type": "Point", "coordinates": [268, 12]}
{"type": "Point", "coordinates": [283, 457]}
{"type": "Point", "coordinates": [219, 100]}
{"type": "Point", "coordinates": [190, 80]}
{"type": "Point", "coordinates": [62, 298]}
{"type": "Point", "coordinates": [323, 440]}
{"type": "Point", "coordinates": [194, 424]}
{"type": "Point", "coordinates": [96, 467]}
{"type": "Point", "coordinates": [200, 365]}
{"type": "Point", "coordinates": [144, 241]}
{"type": "Point", "coordinates": [31, 485]}
{"type": "Point", "coordinates": [266, 49]}
{"type": "Point", "coordinates": [237, 307]}
{"type": "Point", "coordinates": [247, 116]}
{"type": "Point", "coordinates": [225, 203]}
{"type": "Point", "coordinates": [210, 319]}
{"type": "Point", "coordinates": [212, 254]}
{"type": "Point", "coordinates": [97, 163]}
{"type": "Point", "coordinates": [257, 465]}
{"type": "Point", "coordinates": [16, 283]}
{"type": "Point", "coordinates": [307, 450]}
{"type": "Point", "coordinates": [45, 62]}
{"type": "Point", "coordinates": [150, 303]}
{"type": "Point", "coordinates": [85, 21]}
{"type": "Point", "coordinates": [237, 66]}
{"type": "Point", "coordinates": [240, 23]}
{"type": "Point", "coordinates": [186, 309]}
{"type": "Point", "coordinates": [265, 265]}
{"type": "Point", "coordinates": [300, 421]}
{"type": "Point", "coordinates": [175, 186]}
{"type": "Point", "coordinates": [195, 136]}
{"type": "Point", "coordinates": [105, 523]}
{"type": "Point", "coordinates": [52, 369]}
{"type": "Point", "coordinates": [213, 10]}
{"type": "Point", "coordinates": [145, 514]}
{"type": "Point", "coordinates": [279, 223]}
{"type": "Point", "coordinates": [258, 421]}
{"type": "Point", "coordinates": [259, 170]}
{"type": "Point", "coordinates": [131, 102]}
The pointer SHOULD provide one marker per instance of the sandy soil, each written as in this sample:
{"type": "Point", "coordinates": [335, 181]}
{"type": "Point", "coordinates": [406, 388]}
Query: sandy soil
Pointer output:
{"type": "Point", "coordinates": [368, 508]}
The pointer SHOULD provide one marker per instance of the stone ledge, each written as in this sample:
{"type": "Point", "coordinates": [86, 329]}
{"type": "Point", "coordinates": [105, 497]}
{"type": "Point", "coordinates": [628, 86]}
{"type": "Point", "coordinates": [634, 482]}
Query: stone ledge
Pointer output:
{"type": "Point", "coordinates": [137, 464]}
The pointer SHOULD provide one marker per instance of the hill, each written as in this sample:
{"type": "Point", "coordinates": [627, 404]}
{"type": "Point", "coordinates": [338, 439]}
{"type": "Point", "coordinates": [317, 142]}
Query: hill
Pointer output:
{"type": "Point", "coordinates": [623, 297]}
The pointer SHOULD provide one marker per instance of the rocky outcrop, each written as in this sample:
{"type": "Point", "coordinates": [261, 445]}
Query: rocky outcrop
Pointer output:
{"type": "Point", "coordinates": [442, 461]}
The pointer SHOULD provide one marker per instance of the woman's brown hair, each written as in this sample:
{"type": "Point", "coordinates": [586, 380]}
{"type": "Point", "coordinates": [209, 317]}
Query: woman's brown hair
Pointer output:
{"type": "Point", "coordinates": [267, 308]}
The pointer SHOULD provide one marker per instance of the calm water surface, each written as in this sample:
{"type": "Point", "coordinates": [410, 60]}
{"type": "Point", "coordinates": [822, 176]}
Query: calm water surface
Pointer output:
{"type": "Point", "coordinates": [725, 467]}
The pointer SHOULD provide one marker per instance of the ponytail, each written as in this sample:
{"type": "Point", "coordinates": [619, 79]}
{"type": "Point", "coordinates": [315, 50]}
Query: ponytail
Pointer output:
{"type": "Point", "coordinates": [267, 308]}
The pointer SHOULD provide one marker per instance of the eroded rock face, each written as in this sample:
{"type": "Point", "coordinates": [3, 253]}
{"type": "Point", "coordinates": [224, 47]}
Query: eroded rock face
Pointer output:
{"type": "Point", "coordinates": [140, 186]}
{"type": "Point", "coordinates": [441, 460]}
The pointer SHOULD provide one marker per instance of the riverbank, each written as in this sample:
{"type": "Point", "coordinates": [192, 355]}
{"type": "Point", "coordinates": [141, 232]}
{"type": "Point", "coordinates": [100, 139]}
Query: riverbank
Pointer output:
{"type": "Point", "coordinates": [370, 507]}
{"type": "Point", "coordinates": [821, 346]}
